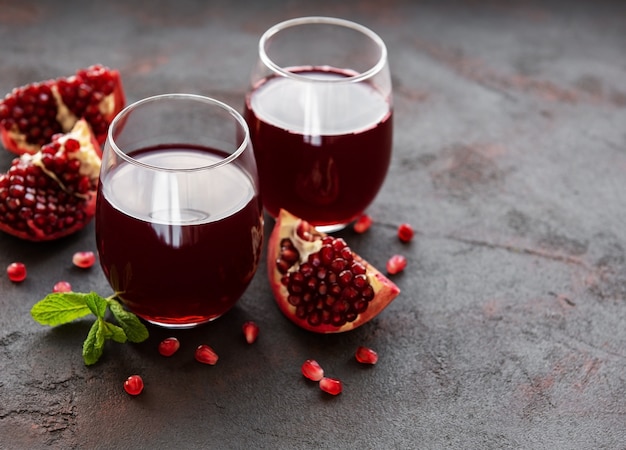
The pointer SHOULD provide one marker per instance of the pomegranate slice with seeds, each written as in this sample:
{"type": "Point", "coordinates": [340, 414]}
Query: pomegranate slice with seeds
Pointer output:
{"type": "Point", "coordinates": [52, 193]}
{"type": "Point", "coordinates": [319, 283]}
{"type": "Point", "coordinates": [30, 115]}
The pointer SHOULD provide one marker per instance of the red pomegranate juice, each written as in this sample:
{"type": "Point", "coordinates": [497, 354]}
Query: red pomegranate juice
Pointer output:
{"type": "Point", "coordinates": [178, 267]}
{"type": "Point", "coordinates": [322, 163]}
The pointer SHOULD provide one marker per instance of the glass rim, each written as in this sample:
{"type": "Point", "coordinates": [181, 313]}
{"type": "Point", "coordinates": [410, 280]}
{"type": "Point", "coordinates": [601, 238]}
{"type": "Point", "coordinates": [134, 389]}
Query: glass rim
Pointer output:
{"type": "Point", "coordinates": [179, 96]}
{"type": "Point", "coordinates": [369, 73]}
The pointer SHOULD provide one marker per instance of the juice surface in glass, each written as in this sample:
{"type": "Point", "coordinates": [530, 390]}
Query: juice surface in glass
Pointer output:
{"type": "Point", "coordinates": [178, 265]}
{"type": "Point", "coordinates": [325, 160]}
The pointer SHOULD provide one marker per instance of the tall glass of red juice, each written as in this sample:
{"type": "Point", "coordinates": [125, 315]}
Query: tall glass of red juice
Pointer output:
{"type": "Point", "coordinates": [320, 113]}
{"type": "Point", "coordinates": [179, 221]}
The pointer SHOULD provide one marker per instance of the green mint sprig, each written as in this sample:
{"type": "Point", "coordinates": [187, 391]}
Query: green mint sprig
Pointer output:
{"type": "Point", "coordinates": [63, 307]}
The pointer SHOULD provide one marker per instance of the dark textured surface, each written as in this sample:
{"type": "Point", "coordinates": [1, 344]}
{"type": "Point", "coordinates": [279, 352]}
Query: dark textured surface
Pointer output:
{"type": "Point", "coordinates": [510, 161]}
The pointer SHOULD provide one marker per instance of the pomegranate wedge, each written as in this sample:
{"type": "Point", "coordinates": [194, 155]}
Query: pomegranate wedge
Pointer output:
{"type": "Point", "coordinates": [319, 283]}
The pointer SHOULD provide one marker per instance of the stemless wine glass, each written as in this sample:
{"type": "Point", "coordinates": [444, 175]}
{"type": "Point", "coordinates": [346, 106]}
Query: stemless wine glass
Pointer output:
{"type": "Point", "coordinates": [179, 221]}
{"type": "Point", "coordinates": [320, 112]}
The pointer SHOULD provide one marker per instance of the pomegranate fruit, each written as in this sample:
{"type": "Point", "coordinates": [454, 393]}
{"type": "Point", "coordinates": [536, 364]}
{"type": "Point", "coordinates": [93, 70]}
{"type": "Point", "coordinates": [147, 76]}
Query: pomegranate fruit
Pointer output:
{"type": "Point", "coordinates": [62, 286]}
{"type": "Point", "coordinates": [405, 232]}
{"type": "Point", "coordinates": [362, 224]}
{"type": "Point", "coordinates": [169, 346]}
{"type": "Point", "coordinates": [133, 385]}
{"type": "Point", "coordinates": [366, 355]}
{"type": "Point", "coordinates": [16, 272]}
{"type": "Point", "coordinates": [312, 370]}
{"type": "Point", "coordinates": [319, 283]}
{"type": "Point", "coordinates": [52, 193]}
{"type": "Point", "coordinates": [250, 331]}
{"type": "Point", "coordinates": [332, 386]}
{"type": "Point", "coordinates": [30, 115]}
{"type": "Point", "coordinates": [206, 355]}
{"type": "Point", "coordinates": [396, 264]}
{"type": "Point", "coordinates": [84, 260]}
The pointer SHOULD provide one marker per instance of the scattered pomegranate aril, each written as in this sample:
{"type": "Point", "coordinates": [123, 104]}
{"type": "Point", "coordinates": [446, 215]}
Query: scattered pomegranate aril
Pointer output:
{"type": "Point", "coordinates": [62, 286]}
{"type": "Point", "coordinates": [16, 272]}
{"type": "Point", "coordinates": [133, 385]}
{"type": "Point", "coordinates": [331, 386]}
{"type": "Point", "coordinates": [405, 232]}
{"type": "Point", "coordinates": [250, 331]}
{"type": "Point", "coordinates": [206, 355]}
{"type": "Point", "coordinates": [52, 193]}
{"type": "Point", "coordinates": [312, 370]}
{"type": "Point", "coordinates": [30, 115]}
{"type": "Point", "coordinates": [319, 283]}
{"type": "Point", "coordinates": [169, 346]}
{"type": "Point", "coordinates": [366, 355]}
{"type": "Point", "coordinates": [362, 224]}
{"type": "Point", "coordinates": [396, 264]}
{"type": "Point", "coordinates": [84, 260]}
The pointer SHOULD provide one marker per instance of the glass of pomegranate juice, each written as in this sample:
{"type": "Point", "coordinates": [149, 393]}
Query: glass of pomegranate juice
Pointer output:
{"type": "Point", "coordinates": [179, 220]}
{"type": "Point", "coordinates": [319, 109]}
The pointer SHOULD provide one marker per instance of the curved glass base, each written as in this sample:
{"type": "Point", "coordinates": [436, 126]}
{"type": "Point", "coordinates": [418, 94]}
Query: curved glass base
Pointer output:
{"type": "Point", "coordinates": [180, 326]}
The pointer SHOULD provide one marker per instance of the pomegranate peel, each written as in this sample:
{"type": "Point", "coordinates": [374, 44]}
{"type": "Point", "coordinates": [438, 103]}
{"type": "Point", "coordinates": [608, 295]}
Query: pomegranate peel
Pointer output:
{"type": "Point", "coordinates": [319, 283]}
{"type": "Point", "coordinates": [31, 114]}
{"type": "Point", "coordinates": [52, 193]}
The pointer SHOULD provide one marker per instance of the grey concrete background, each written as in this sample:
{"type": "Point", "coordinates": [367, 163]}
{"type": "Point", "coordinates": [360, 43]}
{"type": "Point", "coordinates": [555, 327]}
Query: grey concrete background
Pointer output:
{"type": "Point", "coordinates": [510, 162]}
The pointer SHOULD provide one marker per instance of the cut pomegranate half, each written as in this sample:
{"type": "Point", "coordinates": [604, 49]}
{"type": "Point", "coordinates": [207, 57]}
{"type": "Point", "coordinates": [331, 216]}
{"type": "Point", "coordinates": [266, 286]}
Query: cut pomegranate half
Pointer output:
{"type": "Point", "coordinates": [319, 283]}
{"type": "Point", "coordinates": [30, 115]}
{"type": "Point", "coordinates": [52, 193]}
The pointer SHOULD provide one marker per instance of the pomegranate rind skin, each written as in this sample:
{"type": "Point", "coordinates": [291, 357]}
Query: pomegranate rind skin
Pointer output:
{"type": "Point", "coordinates": [7, 136]}
{"type": "Point", "coordinates": [385, 290]}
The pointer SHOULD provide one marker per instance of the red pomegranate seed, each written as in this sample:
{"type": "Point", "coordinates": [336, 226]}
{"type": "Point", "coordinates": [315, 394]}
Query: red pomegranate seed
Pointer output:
{"type": "Point", "coordinates": [62, 286]}
{"type": "Point", "coordinates": [206, 355]}
{"type": "Point", "coordinates": [362, 224]}
{"type": "Point", "coordinates": [169, 346]}
{"type": "Point", "coordinates": [16, 272]}
{"type": "Point", "coordinates": [84, 260]}
{"type": "Point", "coordinates": [133, 385]}
{"type": "Point", "coordinates": [405, 232]}
{"type": "Point", "coordinates": [250, 331]}
{"type": "Point", "coordinates": [312, 370]}
{"type": "Point", "coordinates": [366, 355]}
{"type": "Point", "coordinates": [396, 264]}
{"type": "Point", "coordinates": [331, 386]}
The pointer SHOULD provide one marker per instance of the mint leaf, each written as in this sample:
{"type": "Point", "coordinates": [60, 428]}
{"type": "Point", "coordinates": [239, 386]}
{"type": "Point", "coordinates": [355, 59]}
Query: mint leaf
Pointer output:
{"type": "Point", "coordinates": [94, 344]}
{"type": "Point", "coordinates": [60, 308]}
{"type": "Point", "coordinates": [135, 330]}
{"type": "Point", "coordinates": [113, 332]}
{"type": "Point", "coordinates": [97, 305]}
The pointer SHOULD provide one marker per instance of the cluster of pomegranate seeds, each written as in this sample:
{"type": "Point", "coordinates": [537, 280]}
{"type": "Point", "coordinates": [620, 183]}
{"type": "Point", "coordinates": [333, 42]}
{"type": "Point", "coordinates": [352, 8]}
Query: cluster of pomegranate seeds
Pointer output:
{"type": "Point", "coordinates": [362, 224]}
{"type": "Point", "coordinates": [366, 355]}
{"type": "Point", "coordinates": [62, 286]}
{"type": "Point", "coordinates": [396, 264]}
{"type": "Point", "coordinates": [133, 385]}
{"type": "Point", "coordinates": [16, 272]}
{"type": "Point", "coordinates": [250, 331]}
{"type": "Point", "coordinates": [84, 260]}
{"type": "Point", "coordinates": [32, 109]}
{"type": "Point", "coordinates": [312, 370]}
{"type": "Point", "coordinates": [332, 386]}
{"type": "Point", "coordinates": [331, 287]}
{"type": "Point", "coordinates": [206, 355]}
{"type": "Point", "coordinates": [83, 93]}
{"type": "Point", "coordinates": [169, 346]}
{"type": "Point", "coordinates": [405, 232]}
{"type": "Point", "coordinates": [31, 201]}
